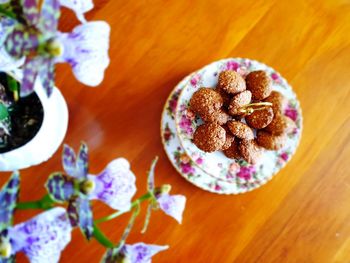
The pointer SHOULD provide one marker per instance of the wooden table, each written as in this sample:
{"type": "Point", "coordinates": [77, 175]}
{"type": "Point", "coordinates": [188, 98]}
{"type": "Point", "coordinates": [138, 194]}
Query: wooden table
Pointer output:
{"type": "Point", "coordinates": [303, 214]}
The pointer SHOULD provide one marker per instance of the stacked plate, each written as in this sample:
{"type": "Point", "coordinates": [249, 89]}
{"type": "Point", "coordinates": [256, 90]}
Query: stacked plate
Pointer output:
{"type": "Point", "coordinates": [215, 172]}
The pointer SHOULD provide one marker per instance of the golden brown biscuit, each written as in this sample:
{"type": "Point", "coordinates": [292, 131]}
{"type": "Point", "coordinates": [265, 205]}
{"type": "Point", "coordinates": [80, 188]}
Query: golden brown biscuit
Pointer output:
{"type": "Point", "coordinates": [271, 142]}
{"type": "Point", "coordinates": [209, 137]}
{"type": "Point", "coordinates": [260, 119]}
{"type": "Point", "coordinates": [229, 139]}
{"type": "Point", "coordinates": [280, 124]}
{"type": "Point", "coordinates": [219, 117]}
{"type": "Point", "coordinates": [205, 101]}
{"type": "Point", "coordinates": [233, 151]}
{"type": "Point", "coordinates": [231, 82]}
{"type": "Point", "coordinates": [240, 130]}
{"type": "Point", "coordinates": [250, 151]}
{"type": "Point", "coordinates": [278, 101]}
{"type": "Point", "coordinates": [259, 83]}
{"type": "Point", "coordinates": [224, 95]}
{"type": "Point", "coordinates": [239, 100]}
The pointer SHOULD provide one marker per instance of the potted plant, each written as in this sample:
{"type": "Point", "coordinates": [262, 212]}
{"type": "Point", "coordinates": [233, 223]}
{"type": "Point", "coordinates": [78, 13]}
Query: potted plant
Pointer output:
{"type": "Point", "coordinates": [31, 127]}
{"type": "Point", "coordinates": [33, 113]}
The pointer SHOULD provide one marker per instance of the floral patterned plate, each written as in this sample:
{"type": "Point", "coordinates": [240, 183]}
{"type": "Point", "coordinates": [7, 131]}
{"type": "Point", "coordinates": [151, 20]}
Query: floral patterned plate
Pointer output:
{"type": "Point", "coordinates": [217, 165]}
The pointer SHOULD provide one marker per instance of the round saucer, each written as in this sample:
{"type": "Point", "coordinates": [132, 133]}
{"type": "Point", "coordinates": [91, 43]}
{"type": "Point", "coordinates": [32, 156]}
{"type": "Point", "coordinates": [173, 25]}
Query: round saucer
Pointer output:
{"type": "Point", "coordinates": [214, 171]}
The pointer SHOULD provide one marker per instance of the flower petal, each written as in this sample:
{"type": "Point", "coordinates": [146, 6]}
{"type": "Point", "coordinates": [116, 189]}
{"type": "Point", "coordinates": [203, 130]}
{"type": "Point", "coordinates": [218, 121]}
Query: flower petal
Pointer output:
{"type": "Point", "coordinates": [80, 214]}
{"type": "Point", "coordinates": [60, 187]}
{"type": "Point", "coordinates": [86, 49]}
{"type": "Point", "coordinates": [31, 11]}
{"type": "Point", "coordinates": [30, 73]}
{"type": "Point", "coordinates": [49, 15]}
{"type": "Point", "coordinates": [172, 205]}
{"type": "Point", "coordinates": [141, 252]}
{"type": "Point", "coordinates": [115, 186]}
{"type": "Point", "coordinates": [47, 75]}
{"type": "Point", "coordinates": [69, 160]}
{"type": "Point", "coordinates": [79, 7]}
{"type": "Point", "coordinates": [83, 161]}
{"type": "Point", "coordinates": [8, 200]}
{"type": "Point", "coordinates": [43, 237]}
{"type": "Point", "coordinates": [150, 179]}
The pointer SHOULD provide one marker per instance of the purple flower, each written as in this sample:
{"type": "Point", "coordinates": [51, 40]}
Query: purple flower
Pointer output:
{"type": "Point", "coordinates": [115, 186]}
{"type": "Point", "coordinates": [246, 172]}
{"type": "Point", "coordinates": [136, 253]}
{"type": "Point", "coordinates": [34, 40]}
{"type": "Point", "coordinates": [86, 50]}
{"type": "Point", "coordinates": [291, 113]}
{"type": "Point", "coordinates": [79, 7]}
{"type": "Point", "coordinates": [43, 237]}
{"type": "Point", "coordinates": [141, 252]}
{"type": "Point", "coordinates": [40, 238]}
{"type": "Point", "coordinates": [172, 205]}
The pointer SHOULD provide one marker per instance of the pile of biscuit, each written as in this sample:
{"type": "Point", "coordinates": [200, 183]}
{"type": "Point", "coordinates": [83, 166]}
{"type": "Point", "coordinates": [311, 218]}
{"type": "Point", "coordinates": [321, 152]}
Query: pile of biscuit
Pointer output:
{"type": "Point", "coordinates": [241, 116]}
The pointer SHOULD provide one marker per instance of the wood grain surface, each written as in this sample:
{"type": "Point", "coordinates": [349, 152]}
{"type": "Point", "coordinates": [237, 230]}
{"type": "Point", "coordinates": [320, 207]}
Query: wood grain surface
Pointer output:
{"type": "Point", "coordinates": [303, 214]}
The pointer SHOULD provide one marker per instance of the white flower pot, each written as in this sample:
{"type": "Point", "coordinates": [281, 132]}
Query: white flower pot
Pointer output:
{"type": "Point", "coordinates": [49, 137]}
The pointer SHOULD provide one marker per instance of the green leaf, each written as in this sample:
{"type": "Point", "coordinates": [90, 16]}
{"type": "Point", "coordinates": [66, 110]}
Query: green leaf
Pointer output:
{"type": "Point", "coordinates": [3, 112]}
{"type": "Point", "coordinates": [12, 84]}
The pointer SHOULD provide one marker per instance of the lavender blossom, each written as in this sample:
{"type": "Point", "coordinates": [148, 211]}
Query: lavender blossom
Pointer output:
{"type": "Point", "coordinates": [43, 237]}
{"type": "Point", "coordinates": [136, 253]}
{"type": "Point", "coordinates": [172, 205]}
{"type": "Point", "coordinates": [40, 238]}
{"type": "Point", "coordinates": [115, 186]}
{"type": "Point", "coordinates": [79, 7]}
{"type": "Point", "coordinates": [86, 50]}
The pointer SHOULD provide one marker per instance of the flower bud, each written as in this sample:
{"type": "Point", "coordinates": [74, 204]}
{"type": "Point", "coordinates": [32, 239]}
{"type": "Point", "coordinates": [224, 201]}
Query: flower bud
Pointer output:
{"type": "Point", "coordinates": [5, 250]}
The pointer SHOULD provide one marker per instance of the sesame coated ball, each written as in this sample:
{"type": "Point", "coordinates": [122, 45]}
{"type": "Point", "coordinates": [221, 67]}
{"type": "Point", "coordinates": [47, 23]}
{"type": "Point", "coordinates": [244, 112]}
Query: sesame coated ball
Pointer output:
{"type": "Point", "coordinates": [209, 137]}
{"type": "Point", "coordinates": [238, 101]}
{"type": "Point", "coordinates": [260, 119]}
{"type": "Point", "coordinates": [240, 130]}
{"type": "Point", "coordinates": [231, 82]}
{"type": "Point", "coordinates": [271, 142]}
{"type": "Point", "coordinates": [278, 101]}
{"type": "Point", "coordinates": [224, 95]}
{"type": "Point", "coordinates": [280, 124]}
{"type": "Point", "coordinates": [233, 152]}
{"type": "Point", "coordinates": [250, 151]}
{"type": "Point", "coordinates": [205, 101]}
{"type": "Point", "coordinates": [259, 83]}
{"type": "Point", "coordinates": [229, 139]}
{"type": "Point", "coordinates": [219, 117]}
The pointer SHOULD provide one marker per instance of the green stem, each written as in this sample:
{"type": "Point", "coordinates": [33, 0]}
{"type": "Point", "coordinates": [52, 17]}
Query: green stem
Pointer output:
{"type": "Point", "coordinates": [143, 198]}
{"type": "Point", "coordinates": [7, 12]}
{"type": "Point", "coordinates": [101, 238]}
{"type": "Point", "coordinates": [44, 203]}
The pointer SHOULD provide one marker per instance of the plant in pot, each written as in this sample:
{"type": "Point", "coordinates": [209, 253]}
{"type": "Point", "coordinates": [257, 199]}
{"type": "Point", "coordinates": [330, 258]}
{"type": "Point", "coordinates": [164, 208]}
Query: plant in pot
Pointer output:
{"type": "Point", "coordinates": [34, 114]}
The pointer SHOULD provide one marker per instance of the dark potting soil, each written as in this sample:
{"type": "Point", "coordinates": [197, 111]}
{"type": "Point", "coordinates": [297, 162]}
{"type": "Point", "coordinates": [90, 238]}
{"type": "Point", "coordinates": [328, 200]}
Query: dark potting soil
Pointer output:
{"type": "Point", "coordinates": [26, 118]}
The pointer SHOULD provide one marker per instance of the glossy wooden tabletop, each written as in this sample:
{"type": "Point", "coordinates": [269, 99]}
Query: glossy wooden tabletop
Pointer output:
{"type": "Point", "coordinates": [303, 214]}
